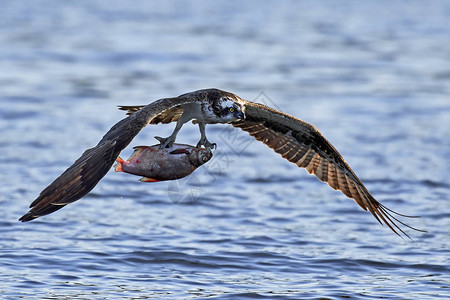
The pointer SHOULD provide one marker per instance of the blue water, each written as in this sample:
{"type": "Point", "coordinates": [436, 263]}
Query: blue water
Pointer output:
{"type": "Point", "coordinates": [374, 77]}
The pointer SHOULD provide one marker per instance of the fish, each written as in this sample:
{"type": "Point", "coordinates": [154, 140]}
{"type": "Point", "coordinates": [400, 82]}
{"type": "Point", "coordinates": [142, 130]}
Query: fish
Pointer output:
{"type": "Point", "coordinates": [160, 164]}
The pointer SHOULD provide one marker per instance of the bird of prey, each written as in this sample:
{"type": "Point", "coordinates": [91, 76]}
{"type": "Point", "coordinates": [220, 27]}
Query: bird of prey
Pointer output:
{"type": "Point", "coordinates": [295, 140]}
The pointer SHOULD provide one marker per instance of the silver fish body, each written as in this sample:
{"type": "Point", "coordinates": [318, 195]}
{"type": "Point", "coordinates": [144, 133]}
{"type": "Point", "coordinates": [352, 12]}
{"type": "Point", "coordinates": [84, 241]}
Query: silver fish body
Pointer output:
{"type": "Point", "coordinates": [156, 164]}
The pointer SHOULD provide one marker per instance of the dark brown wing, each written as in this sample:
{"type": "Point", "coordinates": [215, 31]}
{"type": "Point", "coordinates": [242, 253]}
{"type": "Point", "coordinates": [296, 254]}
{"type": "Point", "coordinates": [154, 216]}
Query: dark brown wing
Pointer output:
{"type": "Point", "coordinates": [173, 113]}
{"type": "Point", "coordinates": [80, 178]}
{"type": "Point", "coordinates": [301, 143]}
{"type": "Point", "coordinates": [168, 116]}
{"type": "Point", "coordinates": [131, 109]}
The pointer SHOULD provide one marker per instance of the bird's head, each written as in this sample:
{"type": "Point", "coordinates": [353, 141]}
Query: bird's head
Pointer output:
{"type": "Point", "coordinates": [228, 108]}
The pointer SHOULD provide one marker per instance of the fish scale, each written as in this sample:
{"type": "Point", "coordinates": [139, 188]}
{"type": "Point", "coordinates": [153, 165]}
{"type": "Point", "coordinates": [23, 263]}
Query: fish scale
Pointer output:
{"type": "Point", "coordinates": [159, 164]}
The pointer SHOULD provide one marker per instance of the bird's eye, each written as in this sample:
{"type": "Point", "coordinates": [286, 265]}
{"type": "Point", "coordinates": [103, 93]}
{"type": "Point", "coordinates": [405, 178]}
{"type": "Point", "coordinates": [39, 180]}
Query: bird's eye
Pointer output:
{"type": "Point", "coordinates": [231, 109]}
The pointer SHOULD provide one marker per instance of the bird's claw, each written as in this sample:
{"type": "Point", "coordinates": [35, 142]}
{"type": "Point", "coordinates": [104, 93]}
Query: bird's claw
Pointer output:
{"type": "Point", "coordinates": [165, 142]}
{"type": "Point", "coordinates": [207, 144]}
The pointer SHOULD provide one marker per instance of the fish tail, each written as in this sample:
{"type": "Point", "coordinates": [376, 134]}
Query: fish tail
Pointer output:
{"type": "Point", "coordinates": [118, 166]}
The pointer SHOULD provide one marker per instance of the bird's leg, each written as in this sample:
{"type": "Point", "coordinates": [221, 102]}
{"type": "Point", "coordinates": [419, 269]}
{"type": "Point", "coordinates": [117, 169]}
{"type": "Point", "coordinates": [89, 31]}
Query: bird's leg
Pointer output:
{"type": "Point", "coordinates": [203, 140]}
{"type": "Point", "coordinates": [170, 140]}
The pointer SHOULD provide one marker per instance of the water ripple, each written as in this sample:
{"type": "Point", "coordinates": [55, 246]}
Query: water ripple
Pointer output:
{"type": "Point", "coordinates": [373, 77]}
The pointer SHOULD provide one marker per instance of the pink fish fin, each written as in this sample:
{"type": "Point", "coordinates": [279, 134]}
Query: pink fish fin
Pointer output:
{"type": "Point", "coordinates": [137, 150]}
{"type": "Point", "coordinates": [180, 151]}
{"type": "Point", "coordinates": [146, 179]}
{"type": "Point", "coordinates": [118, 166]}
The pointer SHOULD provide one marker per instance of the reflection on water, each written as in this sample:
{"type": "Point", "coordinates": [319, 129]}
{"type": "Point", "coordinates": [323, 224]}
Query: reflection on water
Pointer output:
{"type": "Point", "coordinates": [373, 77]}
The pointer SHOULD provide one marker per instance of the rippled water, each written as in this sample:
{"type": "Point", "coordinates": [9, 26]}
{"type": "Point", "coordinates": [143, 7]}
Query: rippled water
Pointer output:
{"type": "Point", "coordinates": [373, 77]}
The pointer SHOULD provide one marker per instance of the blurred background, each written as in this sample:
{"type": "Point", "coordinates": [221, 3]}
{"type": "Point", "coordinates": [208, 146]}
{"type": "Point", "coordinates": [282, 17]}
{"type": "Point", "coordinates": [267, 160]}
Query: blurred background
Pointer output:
{"type": "Point", "coordinates": [372, 76]}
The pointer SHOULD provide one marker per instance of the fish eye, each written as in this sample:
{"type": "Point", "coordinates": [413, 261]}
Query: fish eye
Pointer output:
{"type": "Point", "coordinates": [231, 109]}
{"type": "Point", "coordinates": [205, 159]}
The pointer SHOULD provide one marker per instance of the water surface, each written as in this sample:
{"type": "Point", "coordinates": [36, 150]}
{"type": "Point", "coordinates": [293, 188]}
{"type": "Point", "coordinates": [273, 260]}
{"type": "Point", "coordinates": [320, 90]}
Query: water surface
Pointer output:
{"type": "Point", "coordinates": [374, 78]}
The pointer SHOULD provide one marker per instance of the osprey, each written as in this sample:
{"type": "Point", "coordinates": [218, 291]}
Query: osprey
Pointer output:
{"type": "Point", "coordinates": [295, 140]}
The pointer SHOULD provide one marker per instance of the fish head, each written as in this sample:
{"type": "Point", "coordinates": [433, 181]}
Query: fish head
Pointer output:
{"type": "Point", "coordinates": [199, 156]}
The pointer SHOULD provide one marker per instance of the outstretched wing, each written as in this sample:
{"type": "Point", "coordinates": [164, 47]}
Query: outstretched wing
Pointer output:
{"type": "Point", "coordinates": [80, 178]}
{"type": "Point", "coordinates": [167, 116]}
{"type": "Point", "coordinates": [301, 143]}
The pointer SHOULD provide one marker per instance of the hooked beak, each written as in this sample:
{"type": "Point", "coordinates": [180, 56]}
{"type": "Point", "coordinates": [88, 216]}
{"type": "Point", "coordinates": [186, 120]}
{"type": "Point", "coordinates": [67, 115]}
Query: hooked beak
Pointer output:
{"type": "Point", "coordinates": [239, 115]}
